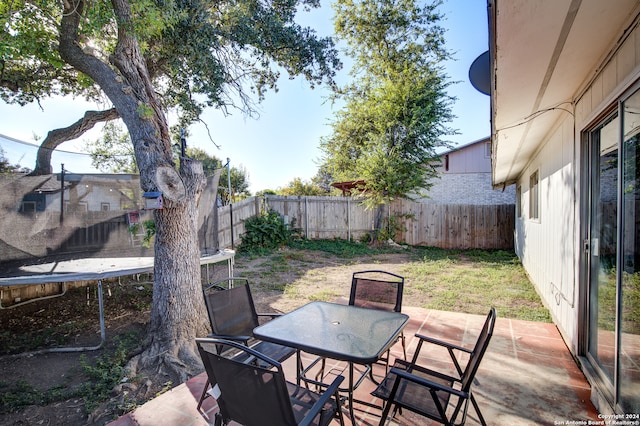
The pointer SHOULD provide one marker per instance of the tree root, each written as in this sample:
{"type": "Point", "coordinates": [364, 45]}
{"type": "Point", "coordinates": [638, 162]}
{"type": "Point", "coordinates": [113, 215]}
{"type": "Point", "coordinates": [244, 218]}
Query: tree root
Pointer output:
{"type": "Point", "coordinates": [176, 364]}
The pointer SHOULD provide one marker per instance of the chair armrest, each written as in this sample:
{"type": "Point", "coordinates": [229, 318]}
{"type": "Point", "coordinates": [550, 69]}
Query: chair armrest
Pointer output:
{"type": "Point", "coordinates": [442, 343]}
{"type": "Point", "coordinates": [324, 397]}
{"type": "Point", "coordinates": [238, 338]}
{"type": "Point", "coordinates": [272, 315]}
{"type": "Point", "coordinates": [426, 383]}
{"type": "Point", "coordinates": [449, 346]}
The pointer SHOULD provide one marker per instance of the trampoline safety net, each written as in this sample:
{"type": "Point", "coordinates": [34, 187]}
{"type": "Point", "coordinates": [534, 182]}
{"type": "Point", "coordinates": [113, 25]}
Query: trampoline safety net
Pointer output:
{"type": "Point", "coordinates": [67, 216]}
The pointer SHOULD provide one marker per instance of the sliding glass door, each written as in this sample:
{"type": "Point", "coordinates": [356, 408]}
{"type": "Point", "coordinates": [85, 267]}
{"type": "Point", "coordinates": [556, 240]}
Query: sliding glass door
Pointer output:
{"type": "Point", "coordinates": [613, 254]}
{"type": "Point", "coordinates": [603, 248]}
{"type": "Point", "coordinates": [629, 260]}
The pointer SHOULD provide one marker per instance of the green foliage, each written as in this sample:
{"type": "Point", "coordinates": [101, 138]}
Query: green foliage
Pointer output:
{"type": "Point", "coordinates": [134, 229]}
{"type": "Point", "coordinates": [7, 168]}
{"type": "Point", "coordinates": [607, 301]}
{"type": "Point", "coordinates": [198, 53]}
{"type": "Point", "coordinates": [631, 302]}
{"type": "Point", "coordinates": [149, 232]}
{"type": "Point", "coordinates": [396, 107]}
{"type": "Point", "coordinates": [149, 227]}
{"type": "Point", "coordinates": [239, 184]}
{"type": "Point", "coordinates": [266, 231]}
{"type": "Point", "coordinates": [299, 187]}
{"type": "Point", "coordinates": [392, 226]}
{"type": "Point", "coordinates": [340, 248]}
{"type": "Point", "coordinates": [31, 65]}
{"type": "Point", "coordinates": [266, 192]}
{"type": "Point", "coordinates": [113, 152]}
{"type": "Point", "coordinates": [145, 111]}
{"type": "Point", "coordinates": [21, 394]}
{"type": "Point", "coordinates": [239, 175]}
{"type": "Point", "coordinates": [210, 163]}
{"type": "Point", "coordinates": [324, 179]}
{"type": "Point", "coordinates": [107, 372]}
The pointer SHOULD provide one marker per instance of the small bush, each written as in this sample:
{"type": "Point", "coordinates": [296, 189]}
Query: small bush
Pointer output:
{"type": "Point", "coordinates": [267, 231]}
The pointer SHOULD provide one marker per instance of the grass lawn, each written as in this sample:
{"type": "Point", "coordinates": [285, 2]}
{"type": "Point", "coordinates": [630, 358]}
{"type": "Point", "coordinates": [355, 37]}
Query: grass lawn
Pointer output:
{"type": "Point", "coordinates": [467, 281]}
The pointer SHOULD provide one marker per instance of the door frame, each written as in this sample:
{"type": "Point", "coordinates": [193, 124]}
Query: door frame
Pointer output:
{"type": "Point", "coordinates": [604, 397]}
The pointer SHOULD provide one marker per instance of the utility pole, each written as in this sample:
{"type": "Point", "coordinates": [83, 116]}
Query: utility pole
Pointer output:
{"type": "Point", "coordinates": [230, 201]}
{"type": "Point", "coordinates": [61, 194]}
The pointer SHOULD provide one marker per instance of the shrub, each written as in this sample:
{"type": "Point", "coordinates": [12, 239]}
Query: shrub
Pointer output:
{"type": "Point", "coordinates": [267, 231]}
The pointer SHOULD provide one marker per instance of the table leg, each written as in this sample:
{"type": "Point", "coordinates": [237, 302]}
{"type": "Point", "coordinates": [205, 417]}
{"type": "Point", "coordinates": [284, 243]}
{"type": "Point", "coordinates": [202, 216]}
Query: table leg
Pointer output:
{"type": "Point", "coordinates": [350, 393]}
{"type": "Point", "coordinates": [298, 367]}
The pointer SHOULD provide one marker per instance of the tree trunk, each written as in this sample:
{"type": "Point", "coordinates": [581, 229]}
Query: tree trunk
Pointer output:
{"type": "Point", "coordinates": [378, 222]}
{"type": "Point", "coordinates": [178, 313]}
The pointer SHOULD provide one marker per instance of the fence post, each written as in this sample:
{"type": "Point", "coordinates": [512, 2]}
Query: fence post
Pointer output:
{"type": "Point", "coordinates": [306, 216]}
{"type": "Point", "coordinates": [348, 218]}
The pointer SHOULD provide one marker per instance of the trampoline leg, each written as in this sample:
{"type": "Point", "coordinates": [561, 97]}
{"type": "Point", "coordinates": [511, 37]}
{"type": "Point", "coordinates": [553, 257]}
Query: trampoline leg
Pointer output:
{"type": "Point", "coordinates": [103, 334]}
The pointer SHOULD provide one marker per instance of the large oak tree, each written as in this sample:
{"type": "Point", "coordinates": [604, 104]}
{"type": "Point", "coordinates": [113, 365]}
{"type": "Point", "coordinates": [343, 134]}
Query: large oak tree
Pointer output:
{"type": "Point", "coordinates": [143, 58]}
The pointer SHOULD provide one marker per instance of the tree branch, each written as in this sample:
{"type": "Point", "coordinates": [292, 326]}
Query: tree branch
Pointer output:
{"type": "Point", "coordinates": [58, 136]}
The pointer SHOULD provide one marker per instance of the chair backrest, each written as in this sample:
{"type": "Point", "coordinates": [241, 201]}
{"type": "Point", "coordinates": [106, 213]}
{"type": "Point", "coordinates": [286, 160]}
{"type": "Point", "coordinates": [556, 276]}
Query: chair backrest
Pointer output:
{"type": "Point", "coordinates": [248, 393]}
{"type": "Point", "coordinates": [478, 351]}
{"type": "Point", "coordinates": [377, 290]}
{"type": "Point", "coordinates": [231, 310]}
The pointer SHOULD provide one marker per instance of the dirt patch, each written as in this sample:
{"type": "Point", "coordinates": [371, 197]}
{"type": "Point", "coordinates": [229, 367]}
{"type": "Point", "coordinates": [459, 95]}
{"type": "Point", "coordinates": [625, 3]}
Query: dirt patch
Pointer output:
{"type": "Point", "coordinates": [52, 384]}
{"type": "Point", "coordinates": [290, 279]}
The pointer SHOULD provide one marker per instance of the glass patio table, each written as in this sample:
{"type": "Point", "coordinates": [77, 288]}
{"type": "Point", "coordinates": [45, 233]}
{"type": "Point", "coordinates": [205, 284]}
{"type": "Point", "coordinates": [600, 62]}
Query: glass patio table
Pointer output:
{"type": "Point", "coordinates": [341, 332]}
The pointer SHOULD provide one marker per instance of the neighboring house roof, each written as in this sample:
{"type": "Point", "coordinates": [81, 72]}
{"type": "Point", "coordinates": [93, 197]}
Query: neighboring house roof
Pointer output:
{"type": "Point", "coordinates": [543, 54]}
{"type": "Point", "coordinates": [466, 145]}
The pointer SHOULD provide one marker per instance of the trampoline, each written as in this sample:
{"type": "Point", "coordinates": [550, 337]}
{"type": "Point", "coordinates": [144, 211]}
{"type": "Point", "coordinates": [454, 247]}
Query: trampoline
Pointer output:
{"type": "Point", "coordinates": [67, 227]}
{"type": "Point", "coordinates": [92, 269]}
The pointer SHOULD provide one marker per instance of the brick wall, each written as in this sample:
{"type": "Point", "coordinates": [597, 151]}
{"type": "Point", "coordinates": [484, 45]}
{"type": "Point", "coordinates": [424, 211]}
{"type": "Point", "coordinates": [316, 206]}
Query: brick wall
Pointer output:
{"type": "Point", "coordinates": [467, 188]}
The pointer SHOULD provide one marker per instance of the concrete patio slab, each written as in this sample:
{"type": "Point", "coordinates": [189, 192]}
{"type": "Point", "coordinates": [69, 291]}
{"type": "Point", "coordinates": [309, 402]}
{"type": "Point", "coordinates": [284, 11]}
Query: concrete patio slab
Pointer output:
{"type": "Point", "coordinates": [527, 377]}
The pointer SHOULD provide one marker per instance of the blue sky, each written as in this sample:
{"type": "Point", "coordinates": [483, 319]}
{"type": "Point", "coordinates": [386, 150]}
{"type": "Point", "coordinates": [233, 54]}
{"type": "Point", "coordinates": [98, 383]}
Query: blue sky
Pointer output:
{"type": "Point", "coordinates": [283, 143]}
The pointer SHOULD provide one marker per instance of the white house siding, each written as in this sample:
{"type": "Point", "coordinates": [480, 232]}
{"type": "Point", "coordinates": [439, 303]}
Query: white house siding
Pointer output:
{"type": "Point", "coordinates": [551, 251]}
{"type": "Point", "coordinates": [472, 158]}
{"type": "Point", "coordinates": [94, 199]}
{"type": "Point", "coordinates": [549, 254]}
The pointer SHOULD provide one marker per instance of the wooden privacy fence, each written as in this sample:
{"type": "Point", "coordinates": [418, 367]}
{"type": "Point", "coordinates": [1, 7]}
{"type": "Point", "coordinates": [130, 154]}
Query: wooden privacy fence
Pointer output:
{"type": "Point", "coordinates": [228, 234]}
{"type": "Point", "coordinates": [456, 226]}
{"type": "Point", "coordinates": [450, 226]}
{"type": "Point", "coordinates": [324, 217]}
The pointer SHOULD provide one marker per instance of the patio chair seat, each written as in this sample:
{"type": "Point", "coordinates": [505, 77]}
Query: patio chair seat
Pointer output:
{"type": "Point", "coordinates": [233, 316]}
{"type": "Point", "coordinates": [413, 395]}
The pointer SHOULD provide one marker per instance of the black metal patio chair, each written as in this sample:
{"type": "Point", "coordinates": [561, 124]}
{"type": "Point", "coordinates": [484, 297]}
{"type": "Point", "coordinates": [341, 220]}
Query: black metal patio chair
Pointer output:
{"type": "Point", "coordinates": [233, 316]}
{"type": "Point", "coordinates": [257, 394]}
{"type": "Point", "coordinates": [438, 396]}
{"type": "Point", "coordinates": [374, 289]}
{"type": "Point", "coordinates": [378, 290]}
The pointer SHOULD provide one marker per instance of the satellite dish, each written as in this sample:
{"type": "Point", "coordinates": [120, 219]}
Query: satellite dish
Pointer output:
{"type": "Point", "coordinates": [480, 74]}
